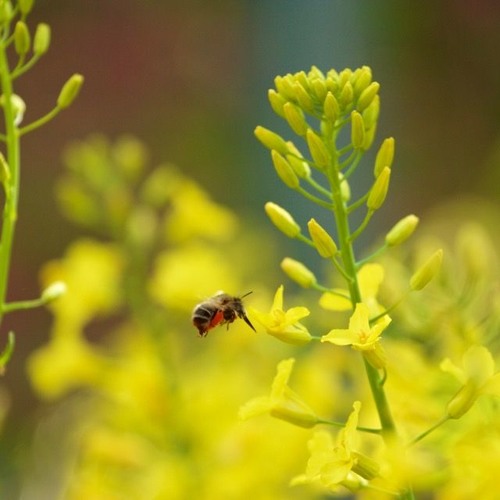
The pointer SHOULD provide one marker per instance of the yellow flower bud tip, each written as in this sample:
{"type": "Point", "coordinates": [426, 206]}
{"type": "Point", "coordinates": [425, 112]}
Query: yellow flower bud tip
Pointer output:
{"type": "Point", "coordinates": [271, 140]}
{"type": "Point", "coordinates": [303, 97]}
{"type": "Point", "coordinates": [54, 291]}
{"type": "Point", "coordinates": [70, 91]}
{"type": "Point", "coordinates": [427, 271]}
{"type": "Point", "coordinates": [318, 150]}
{"type": "Point", "coordinates": [282, 219]}
{"type": "Point", "coordinates": [22, 38]}
{"type": "Point", "coordinates": [367, 96]}
{"type": "Point", "coordinates": [323, 242]}
{"type": "Point", "coordinates": [284, 170]}
{"type": "Point", "coordinates": [346, 95]}
{"type": "Point", "coordinates": [385, 156]}
{"type": "Point", "coordinates": [331, 107]}
{"type": "Point", "coordinates": [379, 190]}
{"type": "Point", "coordinates": [41, 42]}
{"type": "Point", "coordinates": [284, 86]}
{"type": "Point", "coordinates": [298, 272]}
{"type": "Point", "coordinates": [295, 118]}
{"type": "Point", "coordinates": [402, 230]}
{"type": "Point", "coordinates": [277, 101]}
{"type": "Point", "coordinates": [357, 130]}
{"type": "Point", "coordinates": [6, 12]}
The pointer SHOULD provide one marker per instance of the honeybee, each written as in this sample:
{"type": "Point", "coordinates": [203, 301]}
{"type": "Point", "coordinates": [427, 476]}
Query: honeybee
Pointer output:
{"type": "Point", "coordinates": [219, 310]}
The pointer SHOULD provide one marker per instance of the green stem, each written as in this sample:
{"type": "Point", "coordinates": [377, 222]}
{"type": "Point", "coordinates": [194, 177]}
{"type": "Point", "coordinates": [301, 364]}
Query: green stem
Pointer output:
{"type": "Point", "coordinates": [41, 121]}
{"type": "Point", "coordinates": [12, 187]}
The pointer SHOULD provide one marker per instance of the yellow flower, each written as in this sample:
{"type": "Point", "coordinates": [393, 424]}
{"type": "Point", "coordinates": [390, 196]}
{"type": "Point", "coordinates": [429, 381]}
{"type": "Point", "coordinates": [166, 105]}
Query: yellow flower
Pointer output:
{"type": "Point", "coordinates": [283, 402]}
{"type": "Point", "coordinates": [284, 325]}
{"type": "Point", "coordinates": [333, 464]}
{"type": "Point", "coordinates": [477, 376]}
{"type": "Point", "coordinates": [361, 336]}
{"type": "Point", "coordinates": [370, 276]}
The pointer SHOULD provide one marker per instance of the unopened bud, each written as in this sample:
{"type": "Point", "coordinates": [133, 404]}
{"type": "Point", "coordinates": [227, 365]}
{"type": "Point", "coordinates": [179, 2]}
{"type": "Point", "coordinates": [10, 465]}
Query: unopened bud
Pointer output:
{"type": "Point", "coordinates": [284, 170]}
{"type": "Point", "coordinates": [277, 101]}
{"type": "Point", "coordinates": [319, 151]}
{"type": "Point", "coordinates": [282, 219]}
{"type": "Point", "coordinates": [271, 140]}
{"type": "Point", "coordinates": [295, 118]}
{"type": "Point", "coordinates": [41, 42]}
{"type": "Point", "coordinates": [320, 89]}
{"type": "Point", "coordinates": [379, 190]}
{"type": "Point", "coordinates": [346, 95]}
{"type": "Point", "coordinates": [402, 230]}
{"type": "Point", "coordinates": [70, 91]}
{"type": "Point", "coordinates": [463, 400]}
{"type": "Point", "coordinates": [25, 6]}
{"type": "Point", "coordinates": [303, 97]}
{"type": "Point", "coordinates": [297, 272]}
{"type": "Point", "coordinates": [54, 291]}
{"type": "Point", "coordinates": [323, 242]}
{"type": "Point", "coordinates": [370, 115]}
{"type": "Point", "coordinates": [284, 86]}
{"type": "Point", "coordinates": [357, 130]}
{"type": "Point", "coordinates": [385, 156]}
{"type": "Point", "coordinates": [427, 271]}
{"type": "Point", "coordinates": [331, 107]}
{"type": "Point", "coordinates": [367, 96]}
{"type": "Point", "coordinates": [297, 162]}
{"type": "Point", "coordinates": [22, 38]}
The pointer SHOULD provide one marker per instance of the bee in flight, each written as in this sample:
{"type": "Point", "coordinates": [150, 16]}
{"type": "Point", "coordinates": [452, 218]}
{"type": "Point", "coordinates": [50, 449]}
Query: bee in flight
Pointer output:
{"type": "Point", "coordinates": [219, 310]}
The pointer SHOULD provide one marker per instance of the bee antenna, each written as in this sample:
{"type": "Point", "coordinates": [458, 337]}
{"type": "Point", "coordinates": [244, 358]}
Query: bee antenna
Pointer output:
{"type": "Point", "coordinates": [248, 293]}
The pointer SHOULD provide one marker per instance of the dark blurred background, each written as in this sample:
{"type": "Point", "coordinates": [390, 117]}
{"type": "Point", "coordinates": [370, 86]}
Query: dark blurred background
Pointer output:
{"type": "Point", "coordinates": [190, 79]}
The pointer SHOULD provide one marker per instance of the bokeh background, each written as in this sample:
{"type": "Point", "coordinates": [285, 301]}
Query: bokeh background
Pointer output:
{"type": "Point", "coordinates": [190, 78]}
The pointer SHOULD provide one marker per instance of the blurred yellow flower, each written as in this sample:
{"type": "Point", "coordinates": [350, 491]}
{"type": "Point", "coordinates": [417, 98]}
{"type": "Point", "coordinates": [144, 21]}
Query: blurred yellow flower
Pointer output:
{"type": "Point", "coordinates": [477, 376]}
{"type": "Point", "coordinates": [283, 402]}
{"type": "Point", "coordinates": [361, 336]}
{"type": "Point", "coordinates": [370, 276]}
{"type": "Point", "coordinates": [284, 325]}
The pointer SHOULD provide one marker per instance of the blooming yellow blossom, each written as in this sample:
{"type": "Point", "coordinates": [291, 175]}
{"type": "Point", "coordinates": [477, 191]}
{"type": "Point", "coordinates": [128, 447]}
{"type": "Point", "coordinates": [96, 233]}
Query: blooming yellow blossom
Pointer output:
{"type": "Point", "coordinates": [283, 402]}
{"type": "Point", "coordinates": [370, 276]}
{"type": "Point", "coordinates": [477, 376]}
{"type": "Point", "coordinates": [361, 336]}
{"type": "Point", "coordinates": [335, 464]}
{"type": "Point", "coordinates": [284, 325]}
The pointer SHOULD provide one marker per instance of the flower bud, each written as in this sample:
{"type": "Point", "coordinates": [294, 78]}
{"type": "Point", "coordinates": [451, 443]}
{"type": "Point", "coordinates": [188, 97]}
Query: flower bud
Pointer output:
{"type": "Point", "coordinates": [70, 91]}
{"type": "Point", "coordinates": [357, 130]}
{"type": "Point", "coordinates": [319, 151]}
{"type": "Point", "coordinates": [463, 400]}
{"type": "Point", "coordinates": [379, 190]}
{"type": "Point", "coordinates": [331, 107]}
{"type": "Point", "coordinates": [303, 97]}
{"type": "Point", "coordinates": [295, 118]}
{"type": "Point", "coordinates": [282, 219]}
{"type": "Point", "coordinates": [427, 271]}
{"type": "Point", "coordinates": [297, 272]}
{"type": "Point", "coordinates": [323, 242]}
{"type": "Point", "coordinates": [345, 189]}
{"type": "Point", "coordinates": [362, 78]}
{"type": "Point", "coordinates": [385, 156]}
{"type": "Point", "coordinates": [284, 86]}
{"type": "Point", "coordinates": [367, 96]}
{"type": "Point", "coordinates": [271, 140]}
{"type": "Point", "coordinates": [402, 230]}
{"type": "Point", "coordinates": [284, 170]}
{"type": "Point", "coordinates": [6, 12]}
{"type": "Point", "coordinates": [370, 115]}
{"type": "Point", "coordinates": [346, 95]}
{"type": "Point", "coordinates": [18, 107]}
{"type": "Point", "coordinates": [320, 89]}
{"type": "Point", "coordinates": [54, 291]}
{"type": "Point", "coordinates": [41, 42]}
{"type": "Point", "coordinates": [22, 38]}
{"type": "Point", "coordinates": [376, 356]}
{"type": "Point", "coordinates": [25, 6]}
{"type": "Point", "coordinates": [299, 165]}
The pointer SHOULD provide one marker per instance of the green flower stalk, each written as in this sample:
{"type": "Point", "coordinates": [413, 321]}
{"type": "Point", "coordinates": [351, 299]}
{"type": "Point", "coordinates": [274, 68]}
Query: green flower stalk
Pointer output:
{"type": "Point", "coordinates": [23, 54]}
{"type": "Point", "coordinates": [318, 107]}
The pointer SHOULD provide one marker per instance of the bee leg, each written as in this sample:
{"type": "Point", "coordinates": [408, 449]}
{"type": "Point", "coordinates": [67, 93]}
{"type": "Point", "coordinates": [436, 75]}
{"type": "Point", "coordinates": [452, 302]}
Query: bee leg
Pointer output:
{"type": "Point", "coordinates": [247, 321]}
